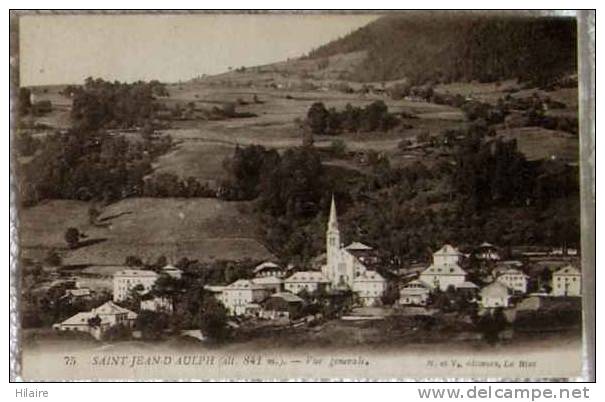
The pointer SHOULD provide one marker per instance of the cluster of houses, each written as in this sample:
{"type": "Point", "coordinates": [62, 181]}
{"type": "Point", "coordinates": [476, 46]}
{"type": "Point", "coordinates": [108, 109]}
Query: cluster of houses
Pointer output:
{"type": "Point", "coordinates": [275, 293]}
{"type": "Point", "coordinates": [506, 281]}
{"type": "Point", "coordinates": [346, 268]}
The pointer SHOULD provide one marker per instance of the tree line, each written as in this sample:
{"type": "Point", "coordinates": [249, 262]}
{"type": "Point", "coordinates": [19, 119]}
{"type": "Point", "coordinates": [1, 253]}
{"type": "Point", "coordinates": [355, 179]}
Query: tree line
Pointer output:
{"type": "Point", "coordinates": [373, 117]}
{"type": "Point", "coordinates": [445, 47]}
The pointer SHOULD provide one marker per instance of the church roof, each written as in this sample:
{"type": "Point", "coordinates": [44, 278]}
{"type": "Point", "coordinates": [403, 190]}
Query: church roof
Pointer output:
{"type": "Point", "coordinates": [357, 246]}
{"type": "Point", "coordinates": [452, 269]}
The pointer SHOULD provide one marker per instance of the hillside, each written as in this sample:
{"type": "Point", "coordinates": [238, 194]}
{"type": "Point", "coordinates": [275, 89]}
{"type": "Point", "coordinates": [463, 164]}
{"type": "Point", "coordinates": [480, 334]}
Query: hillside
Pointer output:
{"type": "Point", "coordinates": [203, 229]}
{"type": "Point", "coordinates": [460, 47]}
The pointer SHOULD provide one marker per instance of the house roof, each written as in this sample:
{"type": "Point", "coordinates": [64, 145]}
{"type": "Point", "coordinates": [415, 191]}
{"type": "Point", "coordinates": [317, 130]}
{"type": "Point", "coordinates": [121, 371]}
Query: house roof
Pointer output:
{"type": "Point", "coordinates": [268, 280]}
{"type": "Point", "coordinates": [514, 263]}
{"type": "Point", "coordinates": [511, 271]}
{"type": "Point", "coordinates": [418, 282]}
{"type": "Point", "coordinates": [447, 249]}
{"type": "Point", "coordinates": [140, 273]}
{"type": "Point", "coordinates": [415, 287]}
{"type": "Point", "coordinates": [171, 267]}
{"type": "Point", "coordinates": [110, 308]}
{"type": "Point", "coordinates": [288, 297]}
{"type": "Point", "coordinates": [568, 270]}
{"type": "Point", "coordinates": [242, 284]}
{"type": "Point", "coordinates": [214, 288]}
{"type": "Point", "coordinates": [358, 246]}
{"type": "Point", "coordinates": [266, 265]}
{"type": "Point", "coordinates": [486, 245]}
{"type": "Point", "coordinates": [79, 319]}
{"type": "Point", "coordinates": [467, 285]}
{"type": "Point", "coordinates": [414, 291]}
{"type": "Point", "coordinates": [452, 269]}
{"type": "Point", "coordinates": [78, 292]}
{"type": "Point", "coordinates": [103, 311]}
{"type": "Point", "coordinates": [369, 276]}
{"type": "Point", "coordinates": [495, 289]}
{"type": "Point", "coordinates": [307, 276]}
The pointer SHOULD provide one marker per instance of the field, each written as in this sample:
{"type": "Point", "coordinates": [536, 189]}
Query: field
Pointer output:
{"type": "Point", "coordinates": [539, 143]}
{"type": "Point", "coordinates": [202, 229]}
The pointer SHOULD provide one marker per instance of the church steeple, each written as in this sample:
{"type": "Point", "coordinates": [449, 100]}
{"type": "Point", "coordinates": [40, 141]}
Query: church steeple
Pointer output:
{"type": "Point", "coordinates": [333, 222]}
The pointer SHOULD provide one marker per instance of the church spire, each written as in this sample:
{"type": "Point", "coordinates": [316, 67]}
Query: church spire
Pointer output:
{"type": "Point", "coordinates": [333, 222]}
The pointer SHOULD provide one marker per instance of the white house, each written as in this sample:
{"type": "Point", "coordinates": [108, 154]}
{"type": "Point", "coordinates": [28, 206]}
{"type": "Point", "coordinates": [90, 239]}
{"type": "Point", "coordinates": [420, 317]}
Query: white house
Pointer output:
{"type": "Point", "coordinates": [127, 279]}
{"type": "Point", "coordinates": [98, 320]}
{"type": "Point", "coordinates": [369, 287]}
{"type": "Point", "coordinates": [514, 279]}
{"type": "Point", "coordinates": [567, 281]}
{"type": "Point", "coordinates": [496, 294]}
{"type": "Point", "coordinates": [445, 271]}
{"type": "Point", "coordinates": [347, 267]}
{"type": "Point", "coordinates": [414, 293]}
{"type": "Point", "coordinates": [241, 294]}
{"type": "Point", "coordinates": [306, 280]}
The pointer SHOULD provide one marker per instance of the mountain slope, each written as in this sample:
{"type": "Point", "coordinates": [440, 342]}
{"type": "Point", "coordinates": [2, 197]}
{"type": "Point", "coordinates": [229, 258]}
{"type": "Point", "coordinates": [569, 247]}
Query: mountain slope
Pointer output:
{"type": "Point", "coordinates": [439, 46]}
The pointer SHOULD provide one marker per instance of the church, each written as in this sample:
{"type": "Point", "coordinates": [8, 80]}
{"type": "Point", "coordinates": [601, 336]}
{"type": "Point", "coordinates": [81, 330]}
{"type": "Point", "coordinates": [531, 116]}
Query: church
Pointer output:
{"type": "Point", "coordinates": [346, 267]}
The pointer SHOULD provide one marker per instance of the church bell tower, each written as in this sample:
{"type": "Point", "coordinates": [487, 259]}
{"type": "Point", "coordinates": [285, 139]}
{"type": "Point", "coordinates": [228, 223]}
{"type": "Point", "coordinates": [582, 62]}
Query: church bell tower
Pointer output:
{"type": "Point", "coordinates": [332, 242]}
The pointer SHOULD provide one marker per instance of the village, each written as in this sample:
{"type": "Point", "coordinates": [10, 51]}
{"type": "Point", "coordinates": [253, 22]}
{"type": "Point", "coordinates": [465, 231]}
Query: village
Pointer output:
{"type": "Point", "coordinates": [479, 280]}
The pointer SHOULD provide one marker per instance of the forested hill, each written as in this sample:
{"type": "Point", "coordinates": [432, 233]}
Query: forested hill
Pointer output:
{"type": "Point", "coordinates": [448, 47]}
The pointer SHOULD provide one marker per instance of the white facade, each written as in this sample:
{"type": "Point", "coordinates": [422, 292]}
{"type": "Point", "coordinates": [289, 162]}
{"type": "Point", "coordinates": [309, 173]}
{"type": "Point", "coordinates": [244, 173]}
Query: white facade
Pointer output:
{"type": "Point", "coordinates": [514, 279]}
{"type": "Point", "coordinates": [567, 281]}
{"type": "Point", "coordinates": [369, 287]}
{"type": "Point", "coordinates": [310, 281]}
{"type": "Point", "coordinates": [445, 271]}
{"type": "Point", "coordinates": [495, 295]}
{"type": "Point", "coordinates": [125, 280]}
{"type": "Point", "coordinates": [237, 296]}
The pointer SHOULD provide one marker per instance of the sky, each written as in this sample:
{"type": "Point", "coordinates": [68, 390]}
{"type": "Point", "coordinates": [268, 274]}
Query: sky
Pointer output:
{"type": "Point", "coordinates": [64, 49]}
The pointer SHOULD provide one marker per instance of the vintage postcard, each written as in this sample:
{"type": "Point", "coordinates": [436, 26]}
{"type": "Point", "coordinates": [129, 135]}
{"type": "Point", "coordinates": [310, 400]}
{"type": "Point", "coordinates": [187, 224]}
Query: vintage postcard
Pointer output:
{"type": "Point", "coordinates": [302, 195]}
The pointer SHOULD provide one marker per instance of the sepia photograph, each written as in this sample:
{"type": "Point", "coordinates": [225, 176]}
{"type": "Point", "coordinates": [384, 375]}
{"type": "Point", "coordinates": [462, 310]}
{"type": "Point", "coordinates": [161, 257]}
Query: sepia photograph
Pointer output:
{"type": "Point", "coordinates": [279, 195]}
